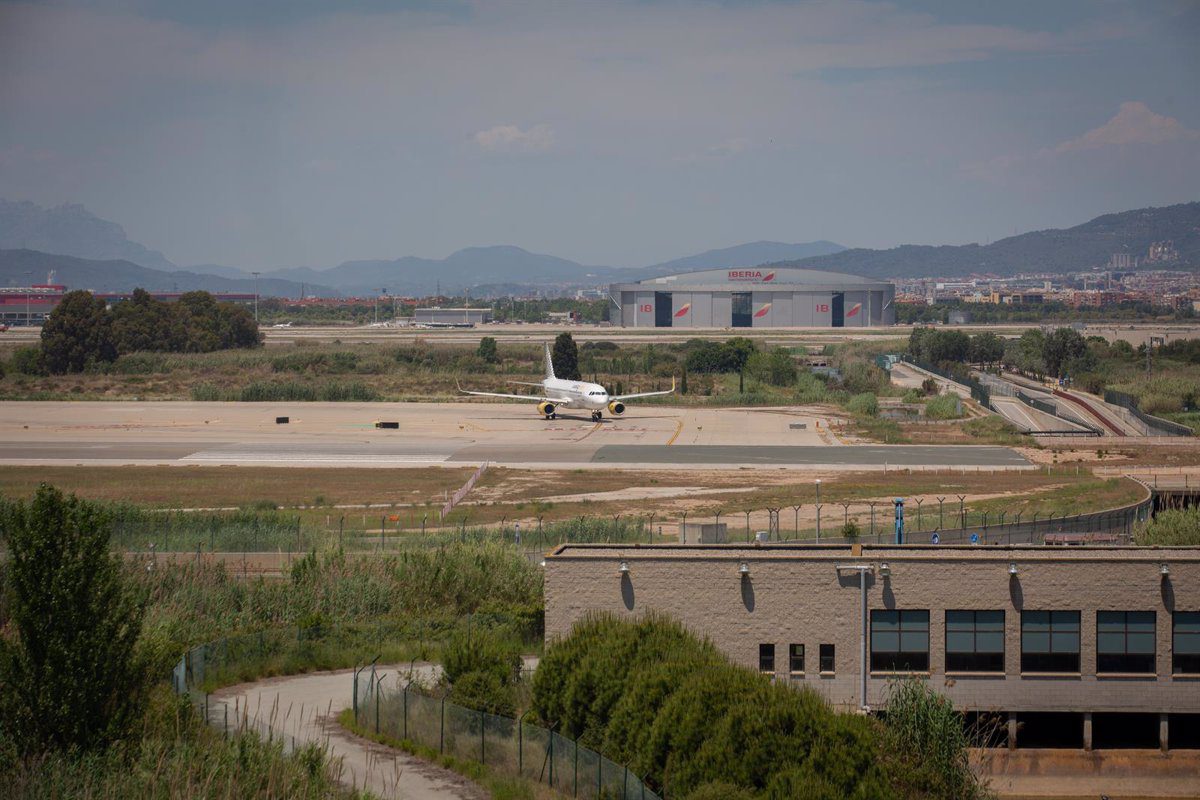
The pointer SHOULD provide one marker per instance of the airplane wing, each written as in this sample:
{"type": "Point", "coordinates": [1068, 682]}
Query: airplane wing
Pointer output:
{"type": "Point", "coordinates": [532, 398]}
{"type": "Point", "coordinates": [644, 394]}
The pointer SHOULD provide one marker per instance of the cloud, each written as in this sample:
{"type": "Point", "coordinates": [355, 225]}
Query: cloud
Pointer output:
{"type": "Point", "coordinates": [511, 139]}
{"type": "Point", "coordinates": [1134, 123]}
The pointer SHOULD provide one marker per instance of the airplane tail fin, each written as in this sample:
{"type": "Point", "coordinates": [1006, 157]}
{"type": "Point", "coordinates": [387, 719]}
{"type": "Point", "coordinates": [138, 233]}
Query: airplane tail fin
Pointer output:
{"type": "Point", "coordinates": [549, 362]}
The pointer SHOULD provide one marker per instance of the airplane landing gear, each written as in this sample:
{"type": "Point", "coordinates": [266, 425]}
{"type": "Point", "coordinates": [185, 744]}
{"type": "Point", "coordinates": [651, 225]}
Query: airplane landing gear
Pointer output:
{"type": "Point", "coordinates": [596, 416]}
{"type": "Point", "coordinates": [552, 416]}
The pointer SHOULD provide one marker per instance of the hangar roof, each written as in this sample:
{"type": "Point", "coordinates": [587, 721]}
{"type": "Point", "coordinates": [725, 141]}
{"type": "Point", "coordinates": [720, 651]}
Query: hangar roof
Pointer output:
{"type": "Point", "coordinates": [762, 275]}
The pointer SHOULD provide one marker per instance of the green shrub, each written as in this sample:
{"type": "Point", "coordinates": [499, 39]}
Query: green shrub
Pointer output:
{"type": "Point", "coordinates": [484, 690]}
{"type": "Point", "coordinates": [943, 406]}
{"type": "Point", "coordinates": [670, 706]}
{"type": "Point", "coordinates": [206, 392]}
{"type": "Point", "coordinates": [913, 396]}
{"type": "Point", "coordinates": [27, 361]}
{"type": "Point", "coordinates": [865, 404]}
{"type": "Point", "coordinates": [811, 389]}
{"type": "Point", "coordinates": [480, 651]}
{"type": "Point", "coordinates": [1172, 527]}
{"type": "Point", "coordinates": [924, 726]}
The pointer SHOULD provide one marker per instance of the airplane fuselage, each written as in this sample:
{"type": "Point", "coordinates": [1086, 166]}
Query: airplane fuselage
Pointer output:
{"type": "Point", "coordinates": [580, 394]}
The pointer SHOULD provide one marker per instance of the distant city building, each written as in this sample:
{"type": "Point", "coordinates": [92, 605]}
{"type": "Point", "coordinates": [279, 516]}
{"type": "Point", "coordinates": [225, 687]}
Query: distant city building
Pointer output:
{"type": "Point", "coordinates": [757, 297]}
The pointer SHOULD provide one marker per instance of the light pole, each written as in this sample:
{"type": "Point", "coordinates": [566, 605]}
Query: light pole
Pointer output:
{"type": "Point", "coordinates": [256, 274]}
{"type": "Point", "coordinates": [28, 291]}
{"type": "Point", "coordinates": [818, 510]}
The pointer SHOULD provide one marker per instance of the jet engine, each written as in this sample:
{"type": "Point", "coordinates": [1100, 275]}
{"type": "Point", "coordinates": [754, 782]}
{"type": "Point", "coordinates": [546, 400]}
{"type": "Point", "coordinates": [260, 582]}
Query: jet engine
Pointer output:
{"type": "Point", "coordinates": [616, 408]}
{"type": "Point", "coordinates": [545, 409]}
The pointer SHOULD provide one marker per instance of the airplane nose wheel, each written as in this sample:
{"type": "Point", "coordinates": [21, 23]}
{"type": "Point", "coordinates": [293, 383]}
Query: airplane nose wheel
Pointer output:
{"type": "Point", "coordinates": [596, 416]}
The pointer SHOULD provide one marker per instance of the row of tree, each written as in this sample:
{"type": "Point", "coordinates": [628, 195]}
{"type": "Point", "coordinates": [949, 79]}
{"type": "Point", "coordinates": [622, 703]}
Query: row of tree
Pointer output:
{"type": "Point", "coordinates": [1059, 353]}
{"type": "Point", "coordinates": [83, 331]}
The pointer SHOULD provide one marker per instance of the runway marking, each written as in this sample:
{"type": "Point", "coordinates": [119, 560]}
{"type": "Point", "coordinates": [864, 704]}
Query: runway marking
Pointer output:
{"type": "Point", "coordinates": [595, 428]}
{"type": "Point", "coordinates": [675, 435]}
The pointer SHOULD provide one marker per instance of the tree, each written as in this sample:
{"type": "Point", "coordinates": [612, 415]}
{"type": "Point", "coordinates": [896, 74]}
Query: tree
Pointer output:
{"type": "Point", "coordinates": [986, 348]}
{"type": "Point", "coordinates": [565, 355]}
{"type": "Point", "coordinates": [69, 678]}
{"type": "Point", "coordinates": [143, 323]}
{"type": "Point", "coordinates": [197, 312]}
{"type": "Point", "coordinates": [487, 350]}
{"type": "Point", "coordinates": [236, 327]}
{"type": "Point", "coordinates": [78, 333]}
{"type": "Point", "coordinates": [776, 368]}
{"type": "Point", "coordinates": [1061, 347]}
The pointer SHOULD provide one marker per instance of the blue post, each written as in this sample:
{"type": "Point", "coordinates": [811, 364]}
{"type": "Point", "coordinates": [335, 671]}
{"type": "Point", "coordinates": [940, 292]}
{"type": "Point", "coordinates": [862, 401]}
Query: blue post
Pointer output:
{"type": "Point", "coordinates": [899, 501]}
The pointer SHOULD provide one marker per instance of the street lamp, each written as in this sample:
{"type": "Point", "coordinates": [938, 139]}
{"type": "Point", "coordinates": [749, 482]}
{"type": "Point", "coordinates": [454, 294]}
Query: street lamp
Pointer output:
{"type": "Point", "coordinates": [818, 510]}
{"type": "Point", "coordinates": [256, 274]}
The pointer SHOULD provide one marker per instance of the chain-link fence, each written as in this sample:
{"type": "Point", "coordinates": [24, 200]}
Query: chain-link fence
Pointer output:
{"type": "Point", "coordinates": [503, 744]}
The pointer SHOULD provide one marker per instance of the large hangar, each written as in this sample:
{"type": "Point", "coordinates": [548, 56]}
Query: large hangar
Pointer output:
{"type": "Point", "coordinates": [757, 297]}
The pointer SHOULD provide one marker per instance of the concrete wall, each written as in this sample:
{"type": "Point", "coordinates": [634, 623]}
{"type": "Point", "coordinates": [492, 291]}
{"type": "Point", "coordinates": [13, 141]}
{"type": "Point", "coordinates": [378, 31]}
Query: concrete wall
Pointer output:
{"type": "Point", "coordinates": [795, 594]}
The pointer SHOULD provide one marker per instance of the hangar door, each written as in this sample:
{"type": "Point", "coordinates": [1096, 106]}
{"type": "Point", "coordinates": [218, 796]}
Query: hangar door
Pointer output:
{"type": "Point", "coordinates": [662, 309]}
{"type": "Point", "coordinates": [839, 310]}
{"type": "Point", "coordinates": [743, 310]}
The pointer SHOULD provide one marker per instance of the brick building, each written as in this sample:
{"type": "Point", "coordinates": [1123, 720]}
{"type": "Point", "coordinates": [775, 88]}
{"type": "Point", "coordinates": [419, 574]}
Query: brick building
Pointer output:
{"type": "Point", "coordinates": [1075, 647]}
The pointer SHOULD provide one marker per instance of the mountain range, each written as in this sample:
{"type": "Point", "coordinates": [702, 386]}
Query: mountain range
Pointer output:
{"type": "Point", "coordinates": [90, 252]}
{"type": "Point", "coordinates": [1082, 247]}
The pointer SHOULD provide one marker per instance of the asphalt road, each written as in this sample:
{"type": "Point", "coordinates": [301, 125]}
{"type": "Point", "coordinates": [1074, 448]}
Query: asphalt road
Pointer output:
{"type": "Point", "coordinates": [378, 454]}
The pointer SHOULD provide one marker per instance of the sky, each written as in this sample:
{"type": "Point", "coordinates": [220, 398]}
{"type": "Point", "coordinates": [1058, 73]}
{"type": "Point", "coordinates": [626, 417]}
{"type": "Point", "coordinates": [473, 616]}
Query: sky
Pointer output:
{"type": "Point", "coordinates": [296, 132]}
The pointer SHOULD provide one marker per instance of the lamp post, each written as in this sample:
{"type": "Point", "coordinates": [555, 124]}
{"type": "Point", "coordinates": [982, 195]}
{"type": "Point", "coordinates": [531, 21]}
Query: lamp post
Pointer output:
{"type": "Point", "coordinates": [862, 570]}
{"type": "Point", "coordinates": [818, 510]}
{"type": "Point", "coordinates": [28, 291]}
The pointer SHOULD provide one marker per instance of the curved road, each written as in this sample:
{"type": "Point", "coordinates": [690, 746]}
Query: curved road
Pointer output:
{"type": "Point", "coordinates": [303, 709]}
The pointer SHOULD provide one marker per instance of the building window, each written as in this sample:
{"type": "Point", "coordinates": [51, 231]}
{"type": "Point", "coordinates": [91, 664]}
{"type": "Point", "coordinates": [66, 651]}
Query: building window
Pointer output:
{"type": "Point", "coordinates": [1125, 641]}
{"type": "Point", "coordinates": [900, 641]}
{"type": "Point", "coordinates": [1050, 641]}
{"type": "Point", "coordinates": [766, 658]}
{"type": "Point", "coordinates": [796, 658]}
{"type": "Point", "coordinates": [1185, 647]}
{"type": "Point", "coordinates": [826, 654]}
{"type": "Point", "coordinates": [975, 641]}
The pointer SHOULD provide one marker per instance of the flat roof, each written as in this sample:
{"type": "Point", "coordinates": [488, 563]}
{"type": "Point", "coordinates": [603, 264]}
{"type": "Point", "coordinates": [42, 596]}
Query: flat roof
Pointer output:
{"type": "Point", "coordinates": [780, 551]}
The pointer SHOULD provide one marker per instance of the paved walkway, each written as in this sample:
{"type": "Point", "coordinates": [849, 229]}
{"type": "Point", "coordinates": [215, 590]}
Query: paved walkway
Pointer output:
{"type": "Point", "coordinates": [303, 709]}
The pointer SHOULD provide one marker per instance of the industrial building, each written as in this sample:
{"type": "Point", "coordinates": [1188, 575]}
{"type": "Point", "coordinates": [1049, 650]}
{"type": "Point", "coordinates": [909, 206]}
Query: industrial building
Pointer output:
{"type": "Point", "coordinates": [758, 297]}
{"type": "Point", "coordinates": [452, 316]}
{"type": "Point", "coordinates": [1083, 647]}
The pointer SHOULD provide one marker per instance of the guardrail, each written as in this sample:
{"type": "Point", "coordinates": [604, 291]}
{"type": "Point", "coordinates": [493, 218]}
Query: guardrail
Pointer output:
{"type": "Point", "coordinates": [1160, 426]}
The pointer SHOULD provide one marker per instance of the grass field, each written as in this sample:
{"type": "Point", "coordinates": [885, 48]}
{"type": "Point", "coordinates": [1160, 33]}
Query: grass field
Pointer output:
{"type": "Point", "coordinates": [650, 502]}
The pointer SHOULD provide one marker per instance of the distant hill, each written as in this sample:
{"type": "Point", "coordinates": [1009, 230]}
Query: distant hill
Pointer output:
{"type": "Point", "coordinates": [745, 255]}
{"type": "Point", "coordinates": [473, 266]}
{"type": "Point", "coordinates": [490, 269]}
{"type": "Point", "coordinates": [123, 276]}
{"type": "Point", "coordinates": [1054, 251]}
{"type": "Point", "coordinates": [71, 230]}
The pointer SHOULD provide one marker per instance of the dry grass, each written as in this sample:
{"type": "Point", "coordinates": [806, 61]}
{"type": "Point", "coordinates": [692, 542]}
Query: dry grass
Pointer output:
{"type": "Point", "coordinates": [190, 487]}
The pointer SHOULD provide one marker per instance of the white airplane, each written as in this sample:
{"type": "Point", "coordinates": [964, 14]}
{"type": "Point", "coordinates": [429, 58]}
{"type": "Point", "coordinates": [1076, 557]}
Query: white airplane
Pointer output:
{"type": "Point", "coordinates": [560, 393]}
{"type": "Point", "coordinates": [282, 325]}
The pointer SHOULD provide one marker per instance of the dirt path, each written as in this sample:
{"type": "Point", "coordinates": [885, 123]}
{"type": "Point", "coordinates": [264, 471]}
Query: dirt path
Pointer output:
{"type": "Point", "coordinates": [303, 709]}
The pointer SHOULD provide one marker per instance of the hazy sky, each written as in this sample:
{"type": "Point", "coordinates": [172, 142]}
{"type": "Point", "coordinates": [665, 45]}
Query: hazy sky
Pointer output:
{"type": "Point", "coordinates": [297, 132]}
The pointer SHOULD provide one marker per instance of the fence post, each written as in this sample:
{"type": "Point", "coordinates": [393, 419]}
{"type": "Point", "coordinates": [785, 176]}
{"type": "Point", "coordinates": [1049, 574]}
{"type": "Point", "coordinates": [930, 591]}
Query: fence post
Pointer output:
{"type": "Point", "coordinates": [406, 708]}
{"type": "Point", "coordinates": [482, 741]}
{"type": "Point", "coordinates": [442, 733]}
{"type": "Point", "coordinates": [378, 685]}
{"type": "Point", "coordinates": [521, 745]}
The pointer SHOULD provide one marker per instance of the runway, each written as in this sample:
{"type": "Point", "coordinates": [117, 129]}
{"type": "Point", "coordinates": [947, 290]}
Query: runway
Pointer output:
{"type": "Point", "coordinates": [344, 435]}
